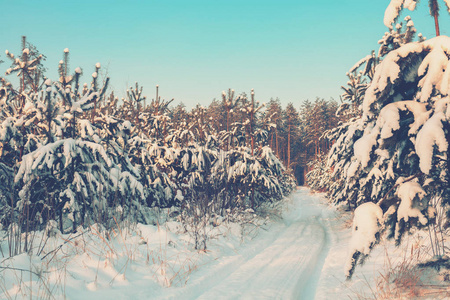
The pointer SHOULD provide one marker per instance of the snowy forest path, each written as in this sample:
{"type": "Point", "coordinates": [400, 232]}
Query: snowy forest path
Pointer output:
{"type": "Point", "coordinates": [280, 271]}
{"type": "Point", "coordinates": [285, 264]}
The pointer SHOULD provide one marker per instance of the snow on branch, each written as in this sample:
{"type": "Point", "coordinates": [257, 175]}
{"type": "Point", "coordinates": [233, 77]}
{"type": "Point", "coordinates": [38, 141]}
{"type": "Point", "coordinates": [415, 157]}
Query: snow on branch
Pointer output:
{"type": "Point", "coordinates": [422, 62]}
{"type": "Point", "coordinates": [367, 225]}
{"type": "Point", "coordinates": [394, 8]}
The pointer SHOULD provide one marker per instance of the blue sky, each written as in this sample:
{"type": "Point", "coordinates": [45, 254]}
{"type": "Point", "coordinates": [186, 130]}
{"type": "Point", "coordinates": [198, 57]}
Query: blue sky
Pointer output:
{"type": "Point", "coordinates": [294, 50]}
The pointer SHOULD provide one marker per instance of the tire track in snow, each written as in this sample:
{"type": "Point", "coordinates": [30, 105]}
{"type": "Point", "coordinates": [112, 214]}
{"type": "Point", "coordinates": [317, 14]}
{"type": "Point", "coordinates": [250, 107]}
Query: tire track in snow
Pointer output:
{"type": "Point", "coordinates": [287, 269]}
{"type": "Point", "coordinates": [285, 265]}
{"type": "Point", "coordinates": [311, 285]}
{"type": "Point", "coordinates": [222, 268]}
{"type": "Point", "coordinates": [277, 272]}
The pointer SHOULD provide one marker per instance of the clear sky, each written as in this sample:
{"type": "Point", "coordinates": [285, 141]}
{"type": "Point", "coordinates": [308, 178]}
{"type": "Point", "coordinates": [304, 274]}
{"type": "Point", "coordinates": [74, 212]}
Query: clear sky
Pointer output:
{"type": "Point", "coordinates": [294, 50]}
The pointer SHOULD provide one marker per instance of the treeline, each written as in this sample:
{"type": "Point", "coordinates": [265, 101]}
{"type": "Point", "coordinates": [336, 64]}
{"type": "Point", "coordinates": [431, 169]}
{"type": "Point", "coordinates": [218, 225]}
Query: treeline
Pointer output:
{"type": "Point", "coordinates": [298, 137]}
{"type": "Point", "coordinates": [74, 154]}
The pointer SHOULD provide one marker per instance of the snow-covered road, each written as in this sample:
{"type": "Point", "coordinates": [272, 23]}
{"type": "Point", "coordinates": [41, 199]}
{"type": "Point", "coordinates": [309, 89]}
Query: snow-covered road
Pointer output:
{"type": "Point", "coordinates": [281, 271]}
{"type": "Point", "coordinates": [283, 263]}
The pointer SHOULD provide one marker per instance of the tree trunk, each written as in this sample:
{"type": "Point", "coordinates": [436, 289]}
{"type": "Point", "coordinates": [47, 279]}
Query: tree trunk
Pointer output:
{"type": "Point", "coordinates": [289, 146]}
{"type": "Point", "coordinates": [436, 24]}
{"type": "Point", "coordinates": [434, 12]}
{"type": "Point", "coordinates": [276, 142]}
{"type": "Point", "coordinates": [271, 142]}
{"type": "Point", "coordinates": [228, 129]}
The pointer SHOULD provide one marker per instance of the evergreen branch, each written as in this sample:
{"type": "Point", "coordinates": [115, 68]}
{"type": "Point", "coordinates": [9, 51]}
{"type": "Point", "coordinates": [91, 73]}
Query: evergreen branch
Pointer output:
{"type": "Point", "coordinates": [396, 185]}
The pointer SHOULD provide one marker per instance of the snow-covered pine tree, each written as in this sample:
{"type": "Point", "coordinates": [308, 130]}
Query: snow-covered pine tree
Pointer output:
{"type": "Point", "coordinates": [396, 37]}
{"type": "Point", "coordinates": [273, 115]}
{"type": "Point", "coordinates": [159, 124]}
{"type": "Point", "coordinates": [230, 103]}
{"type": "Point", "coordinates": [181, 135]}
{"type": "Point", "coordinates": [401, 160]}
{"type": "Point", "coordinates": [253, 131]}
{"type": "Point", "coordinates": [71, 155]}
{"type": "Point", "coordinates": [350, 111]}
{"type": "Point", "coordinates": [319, 176]}
{"type": "Point", "coordinates": [291, 121]}
{"type": "Point", "coordinates": [156, 165]}
{"type": "Point", "coordinates": [200, 125]}
{"type": "Point", "coordinates": [317, 119]}
{"type": "Point", "coordinates": [9, 137]}
{"type": "Point", "coordinates": [68, 172]}
{"type": "Point", "coordinates": [28, 67]}
{"type": "Point", "coordinates": [242, 177]}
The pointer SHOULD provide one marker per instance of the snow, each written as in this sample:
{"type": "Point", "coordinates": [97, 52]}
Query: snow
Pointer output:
{"type": "Point", "coordinates": [447, 3]}
{"type": "Point", "coordinates": [300, 256]}
{"type": "Point", "coordinates": [389, 118]}
{"type": "Point", "coordinates": [179, 195]}
{"type": "Point", "coordinates": [432, 133]}
{"type": "Point", "coordinates": [363, 147]}
{"type": "Point", "coordinates": [410, 4]}
{"type": "Point", "coordinates": [434, 66]}
{"type": "Point", "coordinates": [408, 208]}
{"type": "Point", "coordinates": [392, 12]}
{"type": "Point", "coordinates": [359, 63]}
{"type": "Point", "coordinates": [366, 225]}
{"type": "Point", "coordinates": [394, 8]}
{"type": "Point", "coordinates": [386, 72]}
{"type": "Point", "coordinates": [433, 71]}
{"type": "Point", "coordinates": [283, 262]}
{"type": "Point", "coordinates": [383, 267]}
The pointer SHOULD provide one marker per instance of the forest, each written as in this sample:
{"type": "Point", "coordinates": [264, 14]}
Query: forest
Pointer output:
{"type": "Point", "coordinates": [75, 154]}
{"type": "Point", "coordinates": [102, 185]}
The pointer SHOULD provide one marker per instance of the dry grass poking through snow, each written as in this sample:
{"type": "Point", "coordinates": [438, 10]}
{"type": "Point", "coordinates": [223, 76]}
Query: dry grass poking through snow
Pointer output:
{"type": "Point", "coordinates": [94, 259]}
{"type": "Point", "coordinates": [401, 278]}
{"type": "Point", "coordinates": [99, 257]}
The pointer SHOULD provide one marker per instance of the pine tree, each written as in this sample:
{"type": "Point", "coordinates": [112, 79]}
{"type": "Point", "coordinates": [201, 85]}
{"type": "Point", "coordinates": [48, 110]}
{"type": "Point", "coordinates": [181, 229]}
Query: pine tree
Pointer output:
{"type": "Point", "coordinates": [350, 111]}
{"type": "Point", "coordinates": [230, 103]}
{"type": "Point", "coordinates": [292, 121]}
{"type": "Point", "coordinates": [400, 154]}
{"type": "Point", "coordinates": [317, 120]}
{"type": "Point", "coordinates": [274, 115]}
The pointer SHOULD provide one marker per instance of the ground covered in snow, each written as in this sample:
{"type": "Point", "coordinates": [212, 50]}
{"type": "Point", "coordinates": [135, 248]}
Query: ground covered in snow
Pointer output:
{"type": "Point", "coordinates": [299, 256]}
